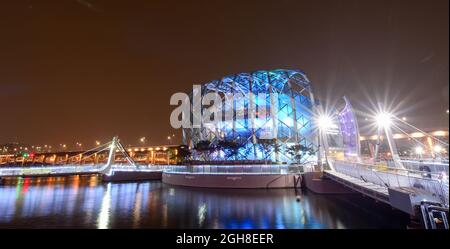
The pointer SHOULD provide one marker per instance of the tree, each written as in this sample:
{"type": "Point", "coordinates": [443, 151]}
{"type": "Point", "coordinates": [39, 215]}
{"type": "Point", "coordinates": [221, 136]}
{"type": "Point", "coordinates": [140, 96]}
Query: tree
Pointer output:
{"type": "Point", "coordinates": [268, 146]}
{"type": "Point", "coordinates": [297, 151]}
{"type": "Point", "coordinates": [205, 148]}
{"type": "Point", "coordinates": [230, 147]}
{"type": "Point", "coordinates": [277, 150]}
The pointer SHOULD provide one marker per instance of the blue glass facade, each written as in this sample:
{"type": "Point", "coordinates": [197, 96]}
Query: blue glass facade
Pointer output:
{"type": "Point", "coordinates": [265, 127]}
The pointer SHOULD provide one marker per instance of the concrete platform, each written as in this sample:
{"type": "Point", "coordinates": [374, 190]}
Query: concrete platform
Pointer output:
{"type": "Point", "coordinates": [377, 192]}
{"type": "Point", "coordinates": [230, 180]}
{"type": "Point", "coordinates": [318, 184]}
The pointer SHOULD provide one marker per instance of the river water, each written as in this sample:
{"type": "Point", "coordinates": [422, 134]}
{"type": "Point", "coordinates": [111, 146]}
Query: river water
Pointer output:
{"type": "Point", "coordinates": [86, 202]}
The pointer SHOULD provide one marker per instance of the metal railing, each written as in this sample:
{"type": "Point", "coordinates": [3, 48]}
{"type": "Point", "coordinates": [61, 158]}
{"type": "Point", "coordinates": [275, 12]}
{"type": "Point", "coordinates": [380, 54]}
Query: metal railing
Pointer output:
{"type": "Point", "coordinates": [48, 170]}
{"type": "Point", "coordinates": [73, 169]}
{"type": "Point", "coordinates": [139, 168]}
{"type": "Point", "coordinates": [432, 213]}
{"type": "Point", "coordinates": [228, 169]}
{"type": "Point", "coordinates": [424, 165]}
{"type": "Point", "coordinates": [382, 175]}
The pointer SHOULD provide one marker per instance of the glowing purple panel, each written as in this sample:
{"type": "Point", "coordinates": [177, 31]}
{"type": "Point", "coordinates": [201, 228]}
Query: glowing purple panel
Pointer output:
{"type": "Point", "coordinates": [349, 130]}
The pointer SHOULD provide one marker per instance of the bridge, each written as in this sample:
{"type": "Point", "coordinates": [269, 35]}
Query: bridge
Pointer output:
{"type": "Point", "coordinates": [73, 165]}
{"type": "Point", "coordinates": [411, 191]}
{"type": "Point", "coordinates": [418, 186]}
{"type": "Point", "coordinates": [156, 155]}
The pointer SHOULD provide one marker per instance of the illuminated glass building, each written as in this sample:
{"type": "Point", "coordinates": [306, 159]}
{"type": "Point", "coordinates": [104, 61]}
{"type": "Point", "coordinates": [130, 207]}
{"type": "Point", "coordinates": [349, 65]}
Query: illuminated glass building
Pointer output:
{"type": "Point", "coordinates": [275, 125]}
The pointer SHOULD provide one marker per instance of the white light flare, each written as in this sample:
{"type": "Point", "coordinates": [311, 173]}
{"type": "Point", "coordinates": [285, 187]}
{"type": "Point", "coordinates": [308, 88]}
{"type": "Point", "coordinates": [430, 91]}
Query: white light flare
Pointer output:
{"type": "Point", "coordinates": [419, 150]}
{"type": "Point", "coordinates": [324, 122]}
{"type": "Point", "coordinates": [437, 148]}
{"type": "Point", "coordinates": [383, 119]}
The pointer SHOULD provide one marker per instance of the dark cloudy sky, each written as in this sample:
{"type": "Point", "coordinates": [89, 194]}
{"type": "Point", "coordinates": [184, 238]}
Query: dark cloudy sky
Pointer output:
{"type": "Point", "coordinates": [80, 70]}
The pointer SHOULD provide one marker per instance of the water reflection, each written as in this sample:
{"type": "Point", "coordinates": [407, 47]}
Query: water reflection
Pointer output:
{"type": "Point", "coordinates": [103, 217]}
{"type": "Point", "coordinates": [86, 202]}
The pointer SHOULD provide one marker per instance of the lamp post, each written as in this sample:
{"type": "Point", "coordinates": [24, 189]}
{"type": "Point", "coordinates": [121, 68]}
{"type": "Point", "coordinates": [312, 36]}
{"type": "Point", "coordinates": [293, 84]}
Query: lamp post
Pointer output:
{"type": "Point", "coordinates": [384, 121]}
{"type": "Point", "coordinates": [142, 140]}
{"type": "Point", "coordinates": [437, 149]}
{"type": "Point", "coordinates": [324, 123]}
{"type": "Point", "coordinates": [419, 151]}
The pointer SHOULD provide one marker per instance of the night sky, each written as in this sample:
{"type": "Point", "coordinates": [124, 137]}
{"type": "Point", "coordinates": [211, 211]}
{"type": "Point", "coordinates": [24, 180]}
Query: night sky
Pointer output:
{"type": "Point", "coordinates": [80, 70]}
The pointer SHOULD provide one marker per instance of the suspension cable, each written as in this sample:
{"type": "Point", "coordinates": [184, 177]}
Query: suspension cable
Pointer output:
{"type": "Point", "coordinates": [409, 136]}
{"type": "Point", "coordinates": [421, 131]}
{"type": "Point", "coordinates": [91, 150]}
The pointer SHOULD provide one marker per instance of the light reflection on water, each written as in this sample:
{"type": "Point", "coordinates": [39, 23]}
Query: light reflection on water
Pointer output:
{"type": "Point", "coordinates": [86, 202]}
{"type": "Point", "coordinates": [103, 217]}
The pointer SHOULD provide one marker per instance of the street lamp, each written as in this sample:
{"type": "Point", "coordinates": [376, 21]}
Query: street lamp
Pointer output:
{"type": "Point", "coordinates": [384, 122]}
{"type": "Point", "coordinates": [419, 151]}
{"type": "Point", "coordinates": [437, 148]}
{"type": "Point", "coordinates": [142, 140]}
{"type": "Point", "coordinates": [383, 119]}
{"type": "Point", "coordinates": [324, 122]}
{"type": "Point", "coordinates": [97, 142]}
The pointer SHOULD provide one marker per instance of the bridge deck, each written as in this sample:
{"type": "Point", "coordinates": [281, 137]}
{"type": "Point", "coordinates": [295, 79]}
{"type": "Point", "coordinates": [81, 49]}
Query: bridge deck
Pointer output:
{"type": "Point", "coordinates": [375, 191]}
{"type": "Point", "coordinates": [71, 170]}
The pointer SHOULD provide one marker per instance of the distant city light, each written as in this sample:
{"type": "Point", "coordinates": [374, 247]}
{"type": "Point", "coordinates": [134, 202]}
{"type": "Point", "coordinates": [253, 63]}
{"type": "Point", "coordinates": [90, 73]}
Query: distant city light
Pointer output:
{"type": "Point", "coordinates": [417, 135]}
{"type": "Point", "coordinates": [440, 133]}
{"type": "Point", "coordinates": [419, 150]}
{"type": "Point", "coordinates": [437, 148]}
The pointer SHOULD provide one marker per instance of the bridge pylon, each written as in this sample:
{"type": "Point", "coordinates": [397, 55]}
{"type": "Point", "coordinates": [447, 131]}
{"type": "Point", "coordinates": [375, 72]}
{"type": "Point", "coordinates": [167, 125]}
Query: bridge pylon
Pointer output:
{"type": "Point", "coordinates": [114, 146]}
